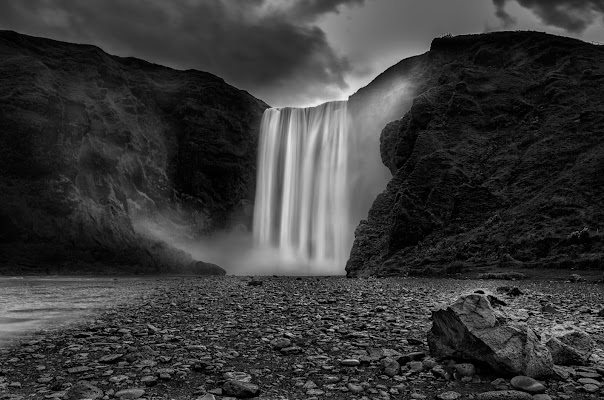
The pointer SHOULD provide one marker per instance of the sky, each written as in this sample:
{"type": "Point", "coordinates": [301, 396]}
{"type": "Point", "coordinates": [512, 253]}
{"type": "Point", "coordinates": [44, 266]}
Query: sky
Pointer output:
{"type": "Point", "coordinates": [290, 52]}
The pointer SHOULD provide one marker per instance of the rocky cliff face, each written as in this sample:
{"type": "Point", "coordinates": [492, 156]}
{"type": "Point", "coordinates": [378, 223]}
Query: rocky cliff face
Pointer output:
{"type": "Point", "coordinates": [91, 143]}
{"type": "Point", "coordinates": [498, 162]}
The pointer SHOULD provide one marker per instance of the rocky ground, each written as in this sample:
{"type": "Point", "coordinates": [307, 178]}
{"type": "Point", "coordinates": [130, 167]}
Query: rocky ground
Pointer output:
{"type": "Point", "coordinates": [288, 338]}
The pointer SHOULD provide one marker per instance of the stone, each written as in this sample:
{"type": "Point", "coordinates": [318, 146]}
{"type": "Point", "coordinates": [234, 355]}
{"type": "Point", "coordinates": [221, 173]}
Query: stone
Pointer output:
{"type": "Point", "coordinates": [416, 366]}
{"type": "Point", "coordinates": [290, 350]}
{"type": "Point", "coordinates": [562, 372]}
{"type": "Point", "coordinates": [590, 388]}
{"type": "Point", "coordinates": [354, 388]}
{"type": "Point", "coordinates": [504, 395]}
{"type": "Point", "coordinates": [429, 363]}
{"type": "Point", "coordinates": [390, 366]}
{"type": "Point", "coordinates": [83, 390]}
{"type": "Point", "coordinates": [149, 380]}
{"type": "Point", "coordinates": [574, 278]}
{"type": "Point", "coordinates": [78, 370]}
{"type": "Point", "coordinates": [110, 358]}
{"type": "Point", "coordinates": [569, 345]}
{"type": "Point", "coordinates": [542, 396]}
{"type": "Point", "coordinates": [471, 329]}
{"type": "Point", "coordinates": [465, 369]}
{"type": "Point", "coordinates": [130, 394]}
{"type": "Point", "coordinates": [240, 390]}
{"type": "Point", "coordinates": [350, 362]}
{"type": "Point", "coordinates": [448, 396]}
{"type": "Point", "coordinates": [237, 376]}
{"type": "Point", "coordinates": [549, 308]}
{"type": "Point", "coordinates": [527, 384]}
{"type": "Point", "coordinates": [585, 381]}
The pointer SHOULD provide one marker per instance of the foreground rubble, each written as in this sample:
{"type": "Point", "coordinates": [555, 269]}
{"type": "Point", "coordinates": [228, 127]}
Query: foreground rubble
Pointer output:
{"type": "Point", "coordinates": [294, 338]}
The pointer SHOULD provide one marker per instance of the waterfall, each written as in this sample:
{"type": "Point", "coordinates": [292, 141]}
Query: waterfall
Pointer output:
{"type": "Point", "coordinates": [303, 188]}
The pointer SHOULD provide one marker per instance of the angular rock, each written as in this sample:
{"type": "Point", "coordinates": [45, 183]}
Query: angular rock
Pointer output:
{"type": "Point", "coordinates": [569, 345]}
{"type": "Point", "coordinates": [390, 367]}
{"type": "Point", "coordinates": [240, 390]}
{"type": "Point", "coordinates": [471, 329]}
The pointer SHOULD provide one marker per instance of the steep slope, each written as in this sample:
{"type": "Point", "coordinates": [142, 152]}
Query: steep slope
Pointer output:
{"type": "Point", "coordinates": [90, 143]}
{"type": "Point", "coordinates": [498, 162]}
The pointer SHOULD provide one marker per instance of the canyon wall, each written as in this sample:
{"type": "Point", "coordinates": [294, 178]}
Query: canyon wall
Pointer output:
{"type": "Point", "coordinates": [93, 145]}
{"type": "Point", "coordinates": [498, 162]}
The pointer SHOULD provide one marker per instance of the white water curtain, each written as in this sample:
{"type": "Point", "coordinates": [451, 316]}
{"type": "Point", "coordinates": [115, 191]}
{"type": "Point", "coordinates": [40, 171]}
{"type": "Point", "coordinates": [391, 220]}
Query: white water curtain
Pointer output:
{"type": "Point", "coordinates": [302, 194]}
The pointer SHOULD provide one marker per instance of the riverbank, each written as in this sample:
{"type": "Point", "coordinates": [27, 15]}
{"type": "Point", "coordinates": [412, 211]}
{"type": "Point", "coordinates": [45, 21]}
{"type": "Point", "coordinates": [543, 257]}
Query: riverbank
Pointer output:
{"type": "Point", "coordinates": [181, 337]}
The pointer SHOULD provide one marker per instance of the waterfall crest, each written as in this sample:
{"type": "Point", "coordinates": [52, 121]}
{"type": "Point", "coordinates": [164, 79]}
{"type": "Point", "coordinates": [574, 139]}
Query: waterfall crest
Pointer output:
{"type": "Point", "coordinates": [303, 189]}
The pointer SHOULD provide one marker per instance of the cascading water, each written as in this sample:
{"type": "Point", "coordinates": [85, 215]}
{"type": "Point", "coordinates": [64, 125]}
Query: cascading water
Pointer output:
{"type": "Point", "coordinates": [303, 189]}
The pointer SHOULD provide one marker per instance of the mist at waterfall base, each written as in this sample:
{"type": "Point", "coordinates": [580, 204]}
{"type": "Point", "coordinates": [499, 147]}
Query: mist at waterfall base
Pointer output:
{"type": "Point", "coordinates": [319, 170]}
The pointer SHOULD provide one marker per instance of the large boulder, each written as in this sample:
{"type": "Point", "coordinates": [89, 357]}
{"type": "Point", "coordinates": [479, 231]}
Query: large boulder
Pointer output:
{"type": "Point", "coordinates": [569, 345]}
{"type": "Point", "coordinates": [471, 329]}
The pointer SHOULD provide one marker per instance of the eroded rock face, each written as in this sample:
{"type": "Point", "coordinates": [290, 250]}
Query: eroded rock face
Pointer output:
{"type": "Point", "coordinates": [496, 159]}
{"type": "Point", "coordinates": [92, 142]}
{"type": "Point", "coordinates": [472, 329]}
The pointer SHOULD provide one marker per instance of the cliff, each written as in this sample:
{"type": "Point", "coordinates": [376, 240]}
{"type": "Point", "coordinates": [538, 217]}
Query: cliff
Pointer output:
{"type": "Point", "coordinates": [92, 145]}
{"type": "Point", "coordinates": [498, 160]}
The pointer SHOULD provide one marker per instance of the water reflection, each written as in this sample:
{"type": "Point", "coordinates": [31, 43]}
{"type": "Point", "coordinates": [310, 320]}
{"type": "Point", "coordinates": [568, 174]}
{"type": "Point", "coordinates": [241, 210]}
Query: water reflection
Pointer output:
{"type": "Point", "coordinates": [33, 303]}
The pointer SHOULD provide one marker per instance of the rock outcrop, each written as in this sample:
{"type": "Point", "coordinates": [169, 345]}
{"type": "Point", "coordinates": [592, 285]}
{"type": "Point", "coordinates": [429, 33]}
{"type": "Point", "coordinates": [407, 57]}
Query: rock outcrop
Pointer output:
{"type": "Point", "coordinates": [91, 142]}
{"type": "Point", "coordinates": [499, 157]}
{"type": "Point", "coordinates": [471, 329]}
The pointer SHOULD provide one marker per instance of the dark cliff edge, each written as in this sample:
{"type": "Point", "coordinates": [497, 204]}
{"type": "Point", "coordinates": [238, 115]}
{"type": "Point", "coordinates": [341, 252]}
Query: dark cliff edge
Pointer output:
{"type": "Point", "coordinates": [499, 161]}
{"type": "Point", "coordinates": [92, 145]}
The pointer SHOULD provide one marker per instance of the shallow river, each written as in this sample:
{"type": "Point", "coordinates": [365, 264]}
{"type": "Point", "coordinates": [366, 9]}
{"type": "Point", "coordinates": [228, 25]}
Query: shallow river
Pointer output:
{"type": "Point", "coordinates": [37, 303]}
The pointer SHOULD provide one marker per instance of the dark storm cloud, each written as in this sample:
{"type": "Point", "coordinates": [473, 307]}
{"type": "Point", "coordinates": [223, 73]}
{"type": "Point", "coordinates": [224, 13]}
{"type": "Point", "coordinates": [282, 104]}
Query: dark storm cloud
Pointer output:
{"type": "Point", "coordinates": [500, 12]}
{"type": "Point", "coordinates": [263, 46]}
{"type": "Point", "coordinates": [313, 8]}
{"type": "Point", "coordinates": [572, 15]}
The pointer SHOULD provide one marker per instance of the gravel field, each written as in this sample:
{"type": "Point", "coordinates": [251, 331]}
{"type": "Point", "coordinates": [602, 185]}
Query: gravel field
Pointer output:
{"type": "Point", "coordinates": [289, 338]}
